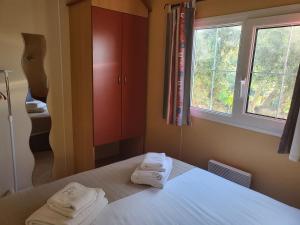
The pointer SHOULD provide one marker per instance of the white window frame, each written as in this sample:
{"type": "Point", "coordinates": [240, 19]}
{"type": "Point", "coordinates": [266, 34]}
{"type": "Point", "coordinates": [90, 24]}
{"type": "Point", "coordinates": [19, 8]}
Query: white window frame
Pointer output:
{"type": "Point", "coordinates": [250, 22]}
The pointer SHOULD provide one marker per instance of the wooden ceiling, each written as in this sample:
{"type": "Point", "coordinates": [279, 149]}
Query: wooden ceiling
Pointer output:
{"type": "Point", "coordinates": [147, 3]}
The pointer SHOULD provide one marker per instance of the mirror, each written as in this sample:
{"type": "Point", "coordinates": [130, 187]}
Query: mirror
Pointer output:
{"type": "Point", "coordinates": [36, 106]}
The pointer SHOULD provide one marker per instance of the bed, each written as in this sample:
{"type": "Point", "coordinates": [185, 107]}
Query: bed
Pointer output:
{"type": "Point", "coordinates": [192, 196]}
{"type": "Point", "coordinates": [41, 122]}
{"type": "Point", "coordinates": [41, 126]}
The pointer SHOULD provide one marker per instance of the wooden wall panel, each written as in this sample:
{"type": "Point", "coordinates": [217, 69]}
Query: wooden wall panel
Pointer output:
{"type": "Point", "coordinates": [221, 7]}
{"type": "Point", "coordinates": [134, 7]}
{"type": "Point", "coordinates": [148, 4]}
{"type": "Point", "coordinates": [82, 85]}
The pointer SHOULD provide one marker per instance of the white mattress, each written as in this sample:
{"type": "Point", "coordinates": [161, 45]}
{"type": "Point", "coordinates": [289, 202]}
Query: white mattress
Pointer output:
{"type": "Point", "coordinates": [198, 198]}
{"type": "Point", "coordinates": [41, 122]}
{"type": "Point", "coordinates": [114, 179]}
{"type": "Point", "coordinates": [195, 197]}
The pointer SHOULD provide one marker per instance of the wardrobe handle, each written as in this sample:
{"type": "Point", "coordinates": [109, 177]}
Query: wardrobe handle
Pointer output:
{"type": "Point", "coordinates": [119, 80]}
{"type": "Point", "coordinates": [125, 79]}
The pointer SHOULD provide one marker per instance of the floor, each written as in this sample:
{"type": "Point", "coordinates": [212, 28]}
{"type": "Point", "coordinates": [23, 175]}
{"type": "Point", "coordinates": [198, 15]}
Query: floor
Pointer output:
{"type": "Point", "coordinates": [42, 172]}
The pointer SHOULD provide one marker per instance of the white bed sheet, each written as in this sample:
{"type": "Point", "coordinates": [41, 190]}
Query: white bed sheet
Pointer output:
{"type": "Point", "coordinates": [114, 179]}
{"type": "Point", "coordinates": [198, 198]}
{"type": "Point", "coordinates": [41, 122]}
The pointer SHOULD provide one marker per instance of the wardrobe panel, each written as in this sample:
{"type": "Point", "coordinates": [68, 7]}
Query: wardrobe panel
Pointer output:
{"type": "Point", "coordinates": [134, 72]}
{"type": "Point", "coordinates": [107, 62]}
{"type": "Point", "coordinates": [81, 81]}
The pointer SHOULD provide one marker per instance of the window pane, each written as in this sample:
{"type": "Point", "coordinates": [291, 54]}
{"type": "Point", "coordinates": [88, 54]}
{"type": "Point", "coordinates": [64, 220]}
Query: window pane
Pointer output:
{"type": "Point", "coordinates": [287, 93]}
{"type": "Point", "coordinates": [275, 66]}
{"type": "Point", "coordinates": [215, 62]}
{"type": "Point", "coordinates": [202, 82]}
{"type": "Point", "coordinates": [294, 52]}
{"type": "Point", "coordinates": [223, 92]}
{"type": "Point", "coordinates": [264, 94]}
{"type": "Point", "coordinates": [227, 49]}
{"type": "Point", "coordinates": [271, 50]}
{"type": "Point", "coordinates": [204, 45]}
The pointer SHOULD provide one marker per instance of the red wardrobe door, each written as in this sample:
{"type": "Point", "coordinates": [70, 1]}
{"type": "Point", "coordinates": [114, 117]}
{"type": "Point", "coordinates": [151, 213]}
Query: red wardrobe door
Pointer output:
{"type": "Point", "coordinates": [107, 60]}
{"type": "Point", "coordinates": [134, 71]}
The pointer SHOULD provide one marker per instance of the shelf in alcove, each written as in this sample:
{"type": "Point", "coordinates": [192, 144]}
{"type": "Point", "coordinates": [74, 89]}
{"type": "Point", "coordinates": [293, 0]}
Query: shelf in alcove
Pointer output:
{"type": "Point", "coordinates": [109, 160]}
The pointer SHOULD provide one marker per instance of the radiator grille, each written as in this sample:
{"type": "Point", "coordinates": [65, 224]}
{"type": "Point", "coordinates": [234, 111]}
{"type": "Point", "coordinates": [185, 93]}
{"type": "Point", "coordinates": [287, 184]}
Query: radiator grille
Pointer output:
{"type": "Point", "coordinates": [230, 173]}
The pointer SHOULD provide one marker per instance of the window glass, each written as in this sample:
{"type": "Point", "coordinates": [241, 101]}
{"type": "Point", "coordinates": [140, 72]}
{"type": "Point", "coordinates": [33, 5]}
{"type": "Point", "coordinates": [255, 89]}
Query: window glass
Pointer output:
{"type": "Point", "coordinates": [215, 64]}
{"type": "Point", "coordinates": [274, 69]}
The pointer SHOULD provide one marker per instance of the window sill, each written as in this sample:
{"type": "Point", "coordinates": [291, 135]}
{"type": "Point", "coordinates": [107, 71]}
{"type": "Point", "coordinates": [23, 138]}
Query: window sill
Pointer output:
{"type": "Point", "coordinates": [254, 123]}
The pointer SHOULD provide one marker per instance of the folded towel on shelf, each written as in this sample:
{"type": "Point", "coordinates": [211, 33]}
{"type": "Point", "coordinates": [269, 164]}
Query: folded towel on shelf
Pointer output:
{"type": "Point", "coordinates": [73, 199]}
{"type": "Point", "coordinates": [46, 216]}
{"type": "Point", "coordinates": [32, 105]}
{"type": "Point", "coordinates": [35, 104]}
{"type": "Point", "coordinates": [37, 110]}
{"type": "Point", "coordinates": [36, 107]}
{"type": "Point", "coordinates": [152, 178]}
{"type": "Point", "coordinates": [154, 162]}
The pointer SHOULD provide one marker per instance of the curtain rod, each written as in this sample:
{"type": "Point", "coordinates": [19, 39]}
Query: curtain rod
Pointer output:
{"type": "Point", "coordinates": [176, 5]}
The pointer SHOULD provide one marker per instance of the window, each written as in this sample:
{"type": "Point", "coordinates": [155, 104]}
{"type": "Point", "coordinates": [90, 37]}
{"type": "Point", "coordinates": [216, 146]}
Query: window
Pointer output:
{"type": "Point", "coordinates": [274, 69]}
{"type": "Point", "coordinates": [215, 63]}
{"type": "Point", "coordinates": [245, 67]}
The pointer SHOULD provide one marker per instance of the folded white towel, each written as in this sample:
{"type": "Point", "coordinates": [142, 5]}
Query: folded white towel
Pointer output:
{"type": "Point", "coordinates": [46, 216]}
{"type": "Point", "coordinates": [152, 178]}
{"type": "Point", "coordinates": [36, 107]}
{"type": "Point", "coordinates": [73, 199]}
{"type": "Point", "coordinates": [35, 104]}
{"type": "Point", "coordinates": [160, 168]}
{"type": "Point", "coordinates": [154, 162]}
{"type": "Point", "coordinates": [37, 110]}
{"type": "Point", "coordinates": [32, 105]}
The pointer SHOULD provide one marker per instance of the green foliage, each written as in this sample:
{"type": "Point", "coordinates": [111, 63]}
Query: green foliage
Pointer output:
{"type": "Point", "coordinates": [216, 54]}
{"type": "Point", "coordinates": [276, 61]}
{"type": "Point", "coordinates": [275, 66]}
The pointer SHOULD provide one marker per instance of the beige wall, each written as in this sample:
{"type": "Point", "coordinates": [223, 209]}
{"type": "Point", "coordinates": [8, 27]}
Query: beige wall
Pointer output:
{"type": "Point", "coordinates": [33, 64]}
{"type": "Point", "coordinates": [49, 18]}
{"type": "Point", "coordinates": [273, 174]}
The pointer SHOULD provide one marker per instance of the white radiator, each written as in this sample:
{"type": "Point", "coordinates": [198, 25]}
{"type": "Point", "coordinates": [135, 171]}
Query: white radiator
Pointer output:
{"type": "Point", "coordinates": [230, 173]}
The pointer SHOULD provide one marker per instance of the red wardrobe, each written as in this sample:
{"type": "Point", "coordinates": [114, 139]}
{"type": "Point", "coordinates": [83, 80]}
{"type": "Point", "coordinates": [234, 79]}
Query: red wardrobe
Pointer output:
{"type": "Point", "coordinates": [109, 74]}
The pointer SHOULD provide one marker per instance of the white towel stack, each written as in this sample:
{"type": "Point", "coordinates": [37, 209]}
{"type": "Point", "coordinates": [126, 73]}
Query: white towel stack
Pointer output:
{"type": "Point", "coordinates": [154, 170]}
{"type": "Point", "coordinates": [73, 205]}
{"type": "Point", "coordinates": [36, 106]}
